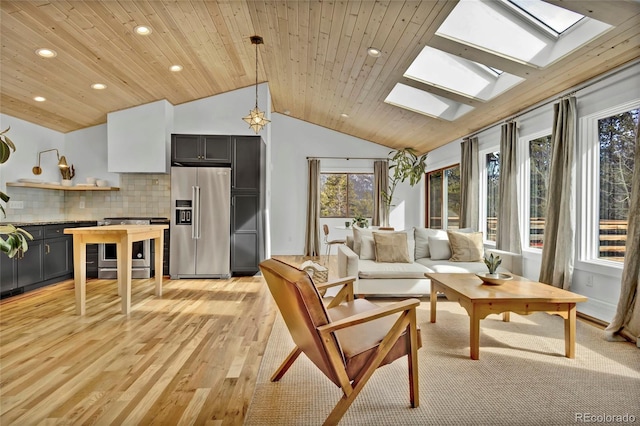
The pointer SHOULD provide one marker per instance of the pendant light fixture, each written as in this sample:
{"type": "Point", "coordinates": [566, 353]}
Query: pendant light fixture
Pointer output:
{"type": "Point", "coordinates": [256, 118]}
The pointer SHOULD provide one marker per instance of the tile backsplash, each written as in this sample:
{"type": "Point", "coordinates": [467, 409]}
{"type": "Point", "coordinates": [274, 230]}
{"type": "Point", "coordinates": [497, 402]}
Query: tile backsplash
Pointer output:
{"type": "Point", "coordinates": [139, 195]}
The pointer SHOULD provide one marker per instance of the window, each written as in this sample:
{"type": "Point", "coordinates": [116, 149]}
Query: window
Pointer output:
{"type": "Point", "coordinates": [346, 194]}
{"type": "Point", "coordinates": [443, 208]}
{"type": "Point", "coordinates": [492, 167]}
{"type": "Point", "coordinates": [539, 162]}
{"type": "Point", "coordinates": [616, 138]}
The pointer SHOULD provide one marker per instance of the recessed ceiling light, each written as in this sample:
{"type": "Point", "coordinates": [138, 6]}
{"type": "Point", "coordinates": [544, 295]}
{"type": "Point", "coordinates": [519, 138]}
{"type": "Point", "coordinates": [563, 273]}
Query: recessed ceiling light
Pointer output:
{"type": "Point", "coordinates": [142, 30]}
{"type": "Point", "coordinates": [46, 53]}
{"type": "Point", "coordinates": [175, 68]}
{"type": "Point", "coordinates": [372, 51]}
{"type": "Point", "coordinates": [98, 86]}
{"type": "Point", "coordinates": [39, 99]}
{"type": "Point", "coordinates": [344, 115]}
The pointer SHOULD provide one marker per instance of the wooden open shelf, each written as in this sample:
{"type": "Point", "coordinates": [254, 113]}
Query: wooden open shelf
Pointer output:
{"type": "Point", "coordinates": [62, 188]}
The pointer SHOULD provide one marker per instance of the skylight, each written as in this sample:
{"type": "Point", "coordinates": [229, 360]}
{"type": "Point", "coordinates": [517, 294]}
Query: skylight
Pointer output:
{"type": "Point", "coordinates": [459, 75]}
{"type": "Point", "coordinates": [422, 102]}
{"type": "Point", "coordinates": [553, 17]}
{"type": "Point", "coordinates": [522, 30]}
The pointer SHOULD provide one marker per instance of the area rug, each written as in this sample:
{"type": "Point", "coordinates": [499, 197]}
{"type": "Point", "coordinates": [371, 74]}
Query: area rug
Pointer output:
{"type": "Point", "coordinates": [521, 378]}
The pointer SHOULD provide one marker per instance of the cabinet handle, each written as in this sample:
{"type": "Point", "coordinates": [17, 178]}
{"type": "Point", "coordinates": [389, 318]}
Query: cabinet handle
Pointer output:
{"type": "Point", "coordinates": [47, 249]}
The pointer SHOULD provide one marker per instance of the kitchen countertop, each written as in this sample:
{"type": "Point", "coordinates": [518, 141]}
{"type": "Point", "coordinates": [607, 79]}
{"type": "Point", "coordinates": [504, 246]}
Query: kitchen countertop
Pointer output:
{"type": "Point", "coordinates": [47, 222]}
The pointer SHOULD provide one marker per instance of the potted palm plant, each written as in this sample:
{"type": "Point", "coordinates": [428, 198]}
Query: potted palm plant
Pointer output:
{"type": "Point", "coordinates": [12, 239]}
{"type": "Point", "coordinates": [404, 164]}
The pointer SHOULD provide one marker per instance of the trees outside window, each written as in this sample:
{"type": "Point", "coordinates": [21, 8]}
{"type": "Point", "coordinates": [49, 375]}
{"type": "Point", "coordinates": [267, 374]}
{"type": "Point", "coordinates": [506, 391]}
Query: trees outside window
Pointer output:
{"type": "Point", "coordinates": [539, 162]}
{"type": "Point", "coordinates": [492, 167]}
{"type": "Point", "coordinates": [443, 198]}
{"type": "Point", "coordinates": [616, 137]}
{"type": "Point", "coordinates": [344, 195]}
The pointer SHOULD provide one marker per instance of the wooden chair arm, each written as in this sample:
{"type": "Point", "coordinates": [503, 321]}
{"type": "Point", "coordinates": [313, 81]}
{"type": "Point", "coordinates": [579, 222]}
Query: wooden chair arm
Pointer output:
{"type": "Point", "coordinates": [329, 284]}
{"type": "Point", "coordinates": [403, 306]}
{"type": "Point", "coordinates": [345, 294]}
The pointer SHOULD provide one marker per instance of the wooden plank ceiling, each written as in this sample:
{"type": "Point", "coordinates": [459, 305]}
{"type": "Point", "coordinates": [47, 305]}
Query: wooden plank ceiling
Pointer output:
{"type": "Point", "coordinates": [314, 59]}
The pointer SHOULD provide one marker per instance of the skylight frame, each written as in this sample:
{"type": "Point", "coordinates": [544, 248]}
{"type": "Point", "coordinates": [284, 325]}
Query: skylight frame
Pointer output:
{"type": "Point", "coordinates": [538, 21]}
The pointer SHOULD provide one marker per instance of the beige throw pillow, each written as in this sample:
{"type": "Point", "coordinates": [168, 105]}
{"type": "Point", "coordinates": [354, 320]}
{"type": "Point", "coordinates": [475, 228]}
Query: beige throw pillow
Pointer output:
{"type": "Point", "coordinates": [391, 247]}
{"type": "Point", "coordinates": [466, 247]}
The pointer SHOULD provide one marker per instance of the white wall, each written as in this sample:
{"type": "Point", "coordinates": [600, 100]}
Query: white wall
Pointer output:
{"type": "Point", "coordinates": [600, 283]}
{"type": "Point", "coordinates": [87, 149]}
{"type": "Point", "coordinates": [292, 142]}
{"type": "Point", "coordinates": [29, 140]}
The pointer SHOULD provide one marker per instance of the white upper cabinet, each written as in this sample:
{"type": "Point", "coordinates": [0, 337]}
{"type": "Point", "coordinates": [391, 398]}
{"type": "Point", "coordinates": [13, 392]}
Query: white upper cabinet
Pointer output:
{"type": "Point", "coordinates": [139, 138]}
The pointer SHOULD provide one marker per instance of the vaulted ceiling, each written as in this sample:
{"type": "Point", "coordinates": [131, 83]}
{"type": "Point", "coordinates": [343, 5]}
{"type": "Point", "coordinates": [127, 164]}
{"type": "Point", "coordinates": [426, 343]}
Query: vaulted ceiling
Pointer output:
{"type": "Point", "coordinates": [314, 58]}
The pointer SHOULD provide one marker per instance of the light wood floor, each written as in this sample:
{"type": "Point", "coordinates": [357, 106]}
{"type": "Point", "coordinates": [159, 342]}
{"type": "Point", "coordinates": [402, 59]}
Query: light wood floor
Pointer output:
{"type": "Point", "coordinates": [189, 357]}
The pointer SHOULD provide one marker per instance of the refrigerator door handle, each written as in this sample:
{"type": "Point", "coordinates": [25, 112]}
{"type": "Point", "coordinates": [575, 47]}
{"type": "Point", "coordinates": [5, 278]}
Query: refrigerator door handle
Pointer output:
{"type": "Point", "coordinates": [198, 220]}
{"type": "Point", "coordinates": [195, 215]}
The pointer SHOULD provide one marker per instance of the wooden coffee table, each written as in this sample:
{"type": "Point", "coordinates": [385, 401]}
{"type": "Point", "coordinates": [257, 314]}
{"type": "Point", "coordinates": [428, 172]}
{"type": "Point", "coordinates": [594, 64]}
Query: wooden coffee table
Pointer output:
{"type": "Point", "coordinates": [518, 295]}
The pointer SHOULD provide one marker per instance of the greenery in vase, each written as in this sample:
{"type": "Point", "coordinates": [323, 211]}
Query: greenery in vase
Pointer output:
{"type": "Point", "coordinates": [361, 221]}
{"type": "Point", "coordinates": [492, 263]}
{"type": "Point", "coordinates": [12, 239]}
{"type": "Point", "coordinates": [404, 164]}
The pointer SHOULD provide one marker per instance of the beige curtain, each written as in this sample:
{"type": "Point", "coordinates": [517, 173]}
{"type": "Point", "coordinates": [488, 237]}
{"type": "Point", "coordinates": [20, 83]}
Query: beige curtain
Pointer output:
{"type": "Point", "coordinates": [312, 237]}
{"type": "Point", "coordinates": [626, 321]}
{"type": "Point", "coordinates": [469, 186]}
{"type": "Point", "coordinates": [380, 186]}
{"type": "Point", "coordinates": [508, 232]}
{"type": "Point", "coordinates": [559, 229]}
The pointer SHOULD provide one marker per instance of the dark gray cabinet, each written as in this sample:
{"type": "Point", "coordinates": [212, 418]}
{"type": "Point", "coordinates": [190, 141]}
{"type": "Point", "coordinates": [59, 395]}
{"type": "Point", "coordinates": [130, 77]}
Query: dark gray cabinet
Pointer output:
{"type": "Point", "coordinates": [246, 169]}
{"type": "Point", "coordinates": [48, 260]}
{"type": "Point", "coordinates": [247, 204]}
{"type": "Point", "coordinates": [58, 252]}
{"type": "Point", "coordinates": [25, 268]}
{"type": "Point", "coordinates": [201, 150]}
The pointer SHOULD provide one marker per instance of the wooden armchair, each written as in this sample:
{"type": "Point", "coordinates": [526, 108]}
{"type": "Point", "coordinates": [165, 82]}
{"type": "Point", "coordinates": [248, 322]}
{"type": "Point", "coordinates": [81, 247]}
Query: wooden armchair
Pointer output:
{"type": "Point", "coordinates": [348, 339]}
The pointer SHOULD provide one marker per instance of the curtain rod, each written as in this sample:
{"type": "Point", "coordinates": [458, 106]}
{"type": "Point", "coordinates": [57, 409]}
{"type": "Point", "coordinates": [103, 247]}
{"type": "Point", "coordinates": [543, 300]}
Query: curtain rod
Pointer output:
{"type": "Point", "coordinates": [571, 92]}
{"type": "Point", "coordinates": [345, 158]}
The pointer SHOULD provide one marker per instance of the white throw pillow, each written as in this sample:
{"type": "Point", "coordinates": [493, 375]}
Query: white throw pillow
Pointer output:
{"type": "Point", "coordinates": [358, 233]}
{"type": "Point", "coordinates": [422, 240]}
{"type": "Point", "coordinates": [439, 249]}
{"type": "Point", "coordinates": [367, 248]}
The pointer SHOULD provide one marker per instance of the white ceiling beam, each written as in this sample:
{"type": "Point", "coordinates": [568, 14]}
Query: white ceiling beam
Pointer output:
{"type": "Point", "coordinates": [482, 56]}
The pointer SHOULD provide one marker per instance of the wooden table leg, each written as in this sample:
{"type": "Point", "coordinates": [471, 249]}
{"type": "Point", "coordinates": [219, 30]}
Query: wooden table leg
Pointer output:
{"type": "Point", "coordinates": [158, 244]}
{"type": "Point", "coordinates": [474, 334]}
{"type": "Point", "coordinates": [123, 254]}
{"type": "Point", "coordinates": [80, 272]}
{"type": "Point", "coordinates": [433, 299]}
{"type": "Point", "coordinates": [570, 331]}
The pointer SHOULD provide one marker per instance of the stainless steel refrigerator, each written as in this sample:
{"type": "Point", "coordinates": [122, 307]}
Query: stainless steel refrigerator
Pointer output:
{"type": "Point", "coordinates": [200, 222]}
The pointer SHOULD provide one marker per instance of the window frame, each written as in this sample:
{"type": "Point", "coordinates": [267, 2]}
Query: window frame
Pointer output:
{"type": "Point", "coordinates": [347, 190]}
{"type": "Point", "coordinates": [525, 185]}
{"type": "Point", "coordinates": [588, 194]}
{"type": "Point", "coordinates": [484, 197]}
{"type": "Point", "coordinates": [445, 197]}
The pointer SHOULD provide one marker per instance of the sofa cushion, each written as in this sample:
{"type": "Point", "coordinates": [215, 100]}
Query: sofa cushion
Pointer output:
{"type": "Point", "coordinates": [391, 247]}
{"type": "Point", "coordinates": [439, 249]}
{"type": "Point", "coordinates": [422, 235]}
{"type": "Point", "coordinates": [373, 269]}
{"type": "Point", "coordinates": [367, 248]}
{"type": "Point", "coordinates": [466, 247]}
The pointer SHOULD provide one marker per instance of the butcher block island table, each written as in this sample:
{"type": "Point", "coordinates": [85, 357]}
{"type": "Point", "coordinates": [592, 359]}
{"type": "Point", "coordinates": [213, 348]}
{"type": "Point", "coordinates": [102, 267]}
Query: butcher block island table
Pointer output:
{"type": "Point", "coordinates": [518, 295]}
{"type": "Point", "coordinates": [123, 236]}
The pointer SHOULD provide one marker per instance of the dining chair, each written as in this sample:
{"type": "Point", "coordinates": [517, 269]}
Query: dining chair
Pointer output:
{"type": "Point", "coordinates": [349, 338]}
{"type": "Point", "coordinates": [329, 243]}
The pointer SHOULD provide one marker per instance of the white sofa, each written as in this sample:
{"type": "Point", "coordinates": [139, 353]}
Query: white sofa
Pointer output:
{"type": "Point", "coordinates": [407, 278]}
